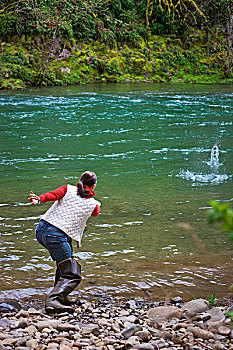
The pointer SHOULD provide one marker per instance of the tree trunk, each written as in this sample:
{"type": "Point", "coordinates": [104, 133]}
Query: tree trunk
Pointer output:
{"type": "Point", "coordinates": [229, 60]}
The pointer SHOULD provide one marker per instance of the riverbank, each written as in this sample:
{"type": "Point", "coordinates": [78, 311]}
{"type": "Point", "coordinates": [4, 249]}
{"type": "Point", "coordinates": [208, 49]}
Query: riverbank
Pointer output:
{"type": "Point", "coordinates": [31, 61]}
{"type": "Point", "coordinates": [119, 323]}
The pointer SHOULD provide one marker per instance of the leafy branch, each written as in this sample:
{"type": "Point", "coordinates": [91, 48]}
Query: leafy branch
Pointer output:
{"type": "Point", "coordinates": [222, 213]}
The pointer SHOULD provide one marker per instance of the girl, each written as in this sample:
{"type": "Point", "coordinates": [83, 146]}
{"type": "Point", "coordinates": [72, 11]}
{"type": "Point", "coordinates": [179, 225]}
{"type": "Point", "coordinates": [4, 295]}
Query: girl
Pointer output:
{"type": "Point", "coordinates": [64, 220]}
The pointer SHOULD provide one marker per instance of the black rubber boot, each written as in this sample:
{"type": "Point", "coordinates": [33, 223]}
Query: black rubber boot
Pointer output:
{"type": "Point", "coordinates": [66, 301]}
{"type": "Point", "coordinates": [70, 277]}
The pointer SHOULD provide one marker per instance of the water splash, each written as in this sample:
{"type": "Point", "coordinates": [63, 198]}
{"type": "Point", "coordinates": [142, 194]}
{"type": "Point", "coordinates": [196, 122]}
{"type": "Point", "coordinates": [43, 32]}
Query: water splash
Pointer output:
{"type": "Point", "coordinates": [214, 157]}
{"type": "Point", "coordinates": [204, 178]}
{"type": "Point", "coordinates": [201, 178]}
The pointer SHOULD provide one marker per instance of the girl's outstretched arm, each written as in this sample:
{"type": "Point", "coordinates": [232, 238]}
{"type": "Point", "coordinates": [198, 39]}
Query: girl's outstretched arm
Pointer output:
{"type": "Point", "coordinates": [49, 196]}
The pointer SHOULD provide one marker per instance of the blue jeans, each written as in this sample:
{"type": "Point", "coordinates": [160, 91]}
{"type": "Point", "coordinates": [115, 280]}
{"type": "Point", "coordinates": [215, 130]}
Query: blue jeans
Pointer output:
{"type": "Point", "coordinates": [56, 241]}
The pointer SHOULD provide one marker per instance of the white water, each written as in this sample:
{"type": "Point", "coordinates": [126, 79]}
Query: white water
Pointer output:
{"type": "Point", "coordinates": [214, 157]}
{"type": "Point", "coordinates": [205, 177]}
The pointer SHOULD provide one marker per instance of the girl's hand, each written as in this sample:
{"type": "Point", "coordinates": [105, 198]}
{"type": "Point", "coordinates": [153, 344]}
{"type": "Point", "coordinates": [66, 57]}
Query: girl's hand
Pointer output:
{"type": "Point", "coordinates": [34, 198]}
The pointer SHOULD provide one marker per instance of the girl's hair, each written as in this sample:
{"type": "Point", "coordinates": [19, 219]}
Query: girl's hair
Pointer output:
{"type": "Point", "coordinates": [88, 179]}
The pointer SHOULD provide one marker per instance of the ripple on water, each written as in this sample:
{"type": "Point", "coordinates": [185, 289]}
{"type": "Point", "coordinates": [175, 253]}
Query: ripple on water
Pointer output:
{"type": "Point", "coordinates": [118, 133]}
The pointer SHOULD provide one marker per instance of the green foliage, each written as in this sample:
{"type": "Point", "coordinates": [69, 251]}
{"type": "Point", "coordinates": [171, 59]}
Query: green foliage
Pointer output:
{"type": "Point", "coordinates": [221, 213]}
{"type": "Point", "coordinates": [112, 40]}
{"type": "Point", "coordinates": [211, 298]}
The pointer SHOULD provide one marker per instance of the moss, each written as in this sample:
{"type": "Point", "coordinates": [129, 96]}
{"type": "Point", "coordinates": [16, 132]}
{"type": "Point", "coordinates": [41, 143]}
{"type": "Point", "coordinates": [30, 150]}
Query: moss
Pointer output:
{"type": "Point", "coordinates": [12, 84]}
{"type": "Point", "coordinates": [161, 59]}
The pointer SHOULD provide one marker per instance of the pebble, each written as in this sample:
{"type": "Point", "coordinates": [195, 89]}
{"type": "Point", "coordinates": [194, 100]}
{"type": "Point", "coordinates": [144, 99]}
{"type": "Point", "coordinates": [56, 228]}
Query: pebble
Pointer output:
{"type": "Point", "coordinates": [201, 333]}
{"type": "Point", "coordinates": [131, 330]}
{"type": "Point", "coordinates": [224, 330]}
{"type": "Point", "coordinates": [218, 346]}
{"type": "Point", "coordinates": [132, 341]}
{"type": "Point", "coordinates": [23, 323]}
{"type": "Point", "coordinates": [117, 324]}
{"type": "Point", "coordinates": [144, 346]}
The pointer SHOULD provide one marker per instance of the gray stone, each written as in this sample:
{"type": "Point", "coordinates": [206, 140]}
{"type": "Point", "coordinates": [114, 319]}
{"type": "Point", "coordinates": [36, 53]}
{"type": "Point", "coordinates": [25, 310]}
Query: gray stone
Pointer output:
{"type": "Point", "coordinates": [145, 335]}
{"type": "Point", "coordinates": [2, 347]}
{"type": "Point", "coordinates": [177, 300]}
{"type": "Point", "coordinates": [217, 318]}
{"type": "Point", "coordinates": [9, 341]}
{"type": "Point", "coordinates": [31, 330]}
{"type": "Point", "coordinates": [4, 336]}
{"type": "Point", "coordinates": [64, 347]}
{"type": "Point", "coordinates": [202, 317]}
{"type": "Point", "coordinates": [62, 327]}
{"type": "Point", "coordinates": [224, 330]}
{"type": "Point", "coordinates": [5, 323]}
{"type": "Point", "coordinates": [46, 324]}
{"type": "Point", "coordinates": [131, 304]}
{"type": "Point", "coordinates": [22, 313]}
{"type": "Point", "coordinates": [131, 342]}
{"type": "Point", "coordinates": [201, 333]}
{"type": "Point", "coordinates": [144, 346]}
{"type": "Point", "coordinates": [166, 335]}
{"type": "Point", "coordinates": [219, 336]}
{"type": "Point", "coordinates": [159, 343]}
{"type": "Point", "coordinates": [218, 346]}
{"type": "Point", "coordinates": [9, 306]}
{"type": "Point", "coordinates": [33, 311]}
{"type": "Point", "coordinates": [130, 319]}
{"type": "Point", "coordinates": [91, 328]}
{"type": "Point", "coordinates": [162, 313]}
{"type": "Point", "coordinates": [115, 327]}
{"type": "Point", "coordinates": [131, 330]}
{"type": "Point", "coordinates": [23, 340]}
{"type": "Point", "coordinates": [193, 307]}
{"type": "Point", "coordinates": [32, 343]}
{"type": "Point", "coordinates": [23, 323]}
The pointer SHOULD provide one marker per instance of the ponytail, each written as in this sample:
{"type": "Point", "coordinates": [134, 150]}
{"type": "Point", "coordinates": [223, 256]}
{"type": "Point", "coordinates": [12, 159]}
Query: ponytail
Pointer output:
{"type": "Point", "coordinates": [88, 179]}
{"type": "Point", "coordinates": [82, 191]}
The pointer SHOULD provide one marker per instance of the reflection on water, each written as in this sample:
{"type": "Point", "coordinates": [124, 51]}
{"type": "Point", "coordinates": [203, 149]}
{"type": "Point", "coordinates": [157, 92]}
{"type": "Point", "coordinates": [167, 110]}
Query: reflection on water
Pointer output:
{"type": "Point", "coordinates": [161, 153]}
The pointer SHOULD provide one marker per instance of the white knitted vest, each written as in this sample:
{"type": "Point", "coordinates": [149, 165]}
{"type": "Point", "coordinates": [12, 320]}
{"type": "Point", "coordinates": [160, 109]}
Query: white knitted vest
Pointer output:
{"type": "Point", "coordinates": [71, 213]}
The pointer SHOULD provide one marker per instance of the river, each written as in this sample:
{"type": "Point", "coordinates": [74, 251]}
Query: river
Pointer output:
{"type": "Point", "coordinates": [150, 145]}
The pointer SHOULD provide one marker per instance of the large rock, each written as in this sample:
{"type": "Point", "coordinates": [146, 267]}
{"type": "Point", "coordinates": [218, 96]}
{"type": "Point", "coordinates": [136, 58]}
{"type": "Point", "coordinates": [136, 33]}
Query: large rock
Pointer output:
{"type": "Point", "coordinates": [217, 318]}
{"type": "Point", "coordinates": [193, 307]}
{"type": "Point", "coordinates": [164, 313]}
{"type": "Point", "coordinates": [201, 333]}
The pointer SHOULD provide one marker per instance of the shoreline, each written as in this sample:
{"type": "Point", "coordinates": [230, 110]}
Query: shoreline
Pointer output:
{"type": "Point", "coordinates": [128, 82]}
{"type": "Point", "coordinates": [113, 323]}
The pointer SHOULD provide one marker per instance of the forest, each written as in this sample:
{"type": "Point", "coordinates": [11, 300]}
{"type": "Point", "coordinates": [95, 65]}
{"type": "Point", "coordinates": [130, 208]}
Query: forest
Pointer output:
{"type": "Point", "coordinates": [64, 42]}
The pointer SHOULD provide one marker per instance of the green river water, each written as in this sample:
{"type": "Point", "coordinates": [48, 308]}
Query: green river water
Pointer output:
{"type": "Point", "coordinates": [150, 146]}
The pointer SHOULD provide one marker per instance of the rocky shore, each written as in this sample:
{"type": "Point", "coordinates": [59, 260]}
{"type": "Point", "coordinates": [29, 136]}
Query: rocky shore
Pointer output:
{"type": "Point", "coordinates": [119, 323]}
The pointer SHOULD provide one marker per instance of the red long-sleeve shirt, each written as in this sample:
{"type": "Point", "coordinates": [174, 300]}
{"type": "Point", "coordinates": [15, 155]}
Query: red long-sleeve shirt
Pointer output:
{"type": "Point", "coordinates": [57, 194]}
